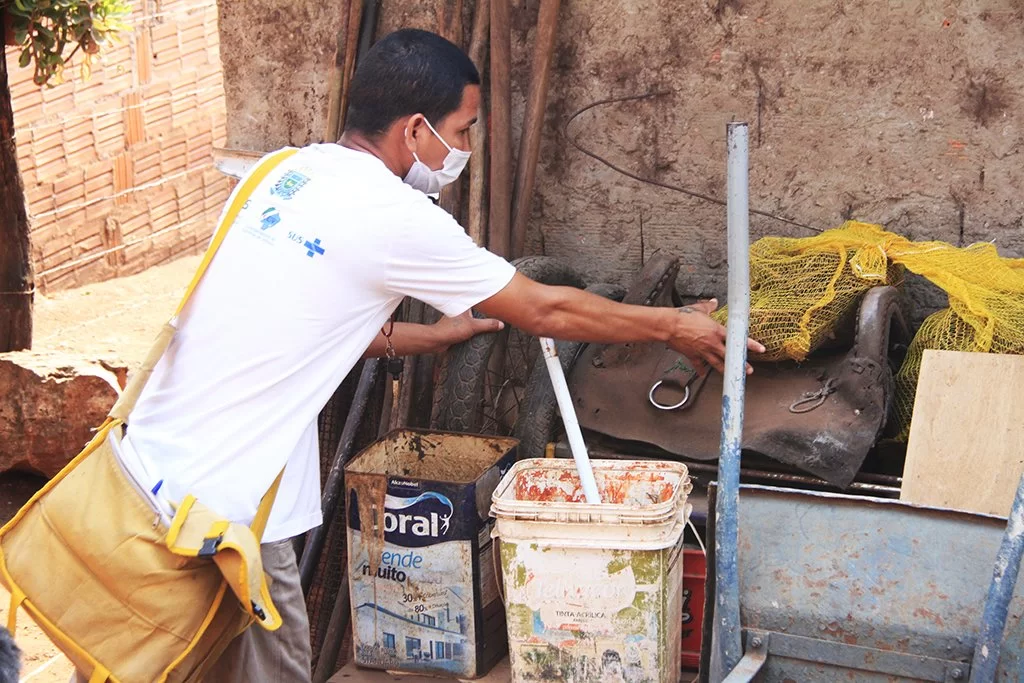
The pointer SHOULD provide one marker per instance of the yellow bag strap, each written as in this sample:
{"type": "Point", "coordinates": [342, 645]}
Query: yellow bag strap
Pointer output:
{"type": "Point", "coordinates": [264, 167]}
{"type": "Point", "coordinates": [131, 392]}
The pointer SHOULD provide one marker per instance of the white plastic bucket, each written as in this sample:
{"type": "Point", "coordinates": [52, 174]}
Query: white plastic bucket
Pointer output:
{"type": "Point", "coordinates": [593, 592]}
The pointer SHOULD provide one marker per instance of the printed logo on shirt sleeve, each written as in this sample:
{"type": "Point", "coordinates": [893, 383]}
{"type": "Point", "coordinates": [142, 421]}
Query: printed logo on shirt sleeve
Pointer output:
{"type": "Point", "coordinates": [289, 184]}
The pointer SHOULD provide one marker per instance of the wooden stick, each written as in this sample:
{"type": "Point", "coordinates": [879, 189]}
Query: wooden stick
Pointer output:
{"type": "Point", "coordinates": [499, 238]}
{"type": "Point", "coordinates": [450, 26]}
{"type": "Point", "coordinates": [327, 664]}
{"type": "Point", "coordinates": [533, 122]}
{"type": "Point", "coordinates": [16, 273]}
{"type": "Point", "coordinates": [477, 219]}
{"type": "Point", "coordinates": [336, 79]}
{"type": "Point", "coordinates": [355, 17]}
{"type": "Point", "coordinates": [478, 41]}
{"type": "Point", "coordinates": [402, 417]}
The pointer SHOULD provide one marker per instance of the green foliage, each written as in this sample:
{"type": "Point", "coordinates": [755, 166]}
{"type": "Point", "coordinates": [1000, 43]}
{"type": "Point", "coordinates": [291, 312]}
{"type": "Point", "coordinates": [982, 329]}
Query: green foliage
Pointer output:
{"type": "Point", "coordinates": [47, 29]}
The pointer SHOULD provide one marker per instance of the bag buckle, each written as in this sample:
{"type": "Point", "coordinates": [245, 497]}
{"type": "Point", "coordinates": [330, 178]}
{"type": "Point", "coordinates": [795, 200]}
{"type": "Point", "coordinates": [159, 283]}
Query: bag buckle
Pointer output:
{"type": "Point", "coordinates": [210, 545]}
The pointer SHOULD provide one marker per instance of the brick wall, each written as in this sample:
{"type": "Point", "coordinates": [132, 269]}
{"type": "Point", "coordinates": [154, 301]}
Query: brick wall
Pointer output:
{"type": "Point", "coordinates": [118, 170]}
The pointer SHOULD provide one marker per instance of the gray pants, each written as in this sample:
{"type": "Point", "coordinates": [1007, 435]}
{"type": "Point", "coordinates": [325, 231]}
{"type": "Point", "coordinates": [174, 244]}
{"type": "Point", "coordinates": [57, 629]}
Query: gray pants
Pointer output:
{"type": "Point", "coordinates": [281, 656]}
{"type": "Point", "coordinates": [259, 656]}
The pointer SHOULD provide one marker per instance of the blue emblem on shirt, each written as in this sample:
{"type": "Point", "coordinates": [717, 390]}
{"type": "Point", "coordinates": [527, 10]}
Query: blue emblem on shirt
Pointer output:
{"type": "Point", "coordinates": [269, 219]}
{"type": "Point", "coordinates": [314, 248]}
{"type": "Point", "coordinates": [290, 183]}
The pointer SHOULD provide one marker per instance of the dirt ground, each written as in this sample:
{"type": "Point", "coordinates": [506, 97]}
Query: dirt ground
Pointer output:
{"type": "Point", "coordinates": [113, 320]}
{"type": "Point", "coordinates": [116, 319]}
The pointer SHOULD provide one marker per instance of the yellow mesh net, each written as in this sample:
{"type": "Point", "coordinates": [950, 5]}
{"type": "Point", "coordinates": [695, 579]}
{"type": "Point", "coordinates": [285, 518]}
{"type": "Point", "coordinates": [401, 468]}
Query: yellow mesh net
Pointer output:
{"type": "Point", "coordinates": [803, 288]}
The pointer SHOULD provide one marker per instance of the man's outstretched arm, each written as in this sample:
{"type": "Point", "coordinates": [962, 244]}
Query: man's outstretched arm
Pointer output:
{"type": "Point", "coordinates": [572, 314]}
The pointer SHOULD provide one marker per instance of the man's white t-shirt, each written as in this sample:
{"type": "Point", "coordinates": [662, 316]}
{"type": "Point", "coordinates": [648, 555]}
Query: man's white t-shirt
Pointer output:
{"type": "Point", "coordinates": [322, 253]}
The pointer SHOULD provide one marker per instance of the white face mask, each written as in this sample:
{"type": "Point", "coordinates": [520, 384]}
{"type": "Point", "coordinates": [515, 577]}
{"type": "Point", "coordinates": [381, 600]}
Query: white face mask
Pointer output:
{"type": "Point", "coordinates": [429, 181]}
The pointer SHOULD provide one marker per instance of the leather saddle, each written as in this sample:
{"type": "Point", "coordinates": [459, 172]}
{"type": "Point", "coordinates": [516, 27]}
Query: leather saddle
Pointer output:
{"type": "Point", "coordinates": [821, 416]}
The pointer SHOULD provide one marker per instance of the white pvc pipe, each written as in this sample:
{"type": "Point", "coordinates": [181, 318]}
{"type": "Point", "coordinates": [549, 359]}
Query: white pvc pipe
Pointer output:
{"type": "Point", "coordinates": [572, 426]}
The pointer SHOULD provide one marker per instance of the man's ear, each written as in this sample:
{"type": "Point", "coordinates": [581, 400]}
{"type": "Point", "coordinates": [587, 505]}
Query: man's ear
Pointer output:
{"type": "Point", "coordinates": [414, 128]}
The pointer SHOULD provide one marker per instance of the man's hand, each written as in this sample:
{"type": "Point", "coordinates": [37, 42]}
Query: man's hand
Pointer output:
{"type": "Point", "coordinates": [451, 331]}
{"type": "Point", "coordinates": [701, 338]}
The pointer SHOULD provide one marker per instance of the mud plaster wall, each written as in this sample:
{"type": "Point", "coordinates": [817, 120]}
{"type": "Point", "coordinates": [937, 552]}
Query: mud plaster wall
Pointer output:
{"type": "Point", "coordinates": [901, 112]}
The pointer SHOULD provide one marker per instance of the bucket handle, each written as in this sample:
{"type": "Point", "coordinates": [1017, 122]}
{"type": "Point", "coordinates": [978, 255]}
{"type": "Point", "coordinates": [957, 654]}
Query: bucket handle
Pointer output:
{"type": "Point", "coordinates": [499, 579]}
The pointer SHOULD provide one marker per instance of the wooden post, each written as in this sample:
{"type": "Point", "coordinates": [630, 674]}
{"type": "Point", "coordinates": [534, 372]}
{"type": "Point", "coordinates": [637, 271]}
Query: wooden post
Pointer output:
{"type": "Point", "coordinates": [533, 121]}
{"type": "Point", "coordinates": [449, 20]}
{"type": "Point", "coordinates": [355, 19]}
{"type": "Point", "coordinates": [476, 223]}
{"type": "Point", "coordinates": [499, 238]}
{"type": "Point", "coordinates": [17, 284]}
{"type": "Point", "coordinates": [336, 81]}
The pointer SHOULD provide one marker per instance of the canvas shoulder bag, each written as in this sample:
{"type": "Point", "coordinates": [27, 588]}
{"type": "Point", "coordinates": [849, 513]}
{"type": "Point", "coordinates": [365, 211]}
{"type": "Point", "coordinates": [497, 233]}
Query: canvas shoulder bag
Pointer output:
{"type": "Point", "coordinates": [129, 593]}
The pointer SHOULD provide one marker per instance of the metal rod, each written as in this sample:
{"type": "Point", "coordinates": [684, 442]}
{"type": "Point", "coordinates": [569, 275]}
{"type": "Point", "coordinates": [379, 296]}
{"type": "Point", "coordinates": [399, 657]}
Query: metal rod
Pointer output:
{"type": "Point", "coordinates": [336, 477]}
{"type": "Point", "coordinates": [863, 484]}
{"type": "Point", "coordinates": [797, 479]}
{"type": "Point", "coordinates": [1000, 592]}
{"type": "Point", "coordinates": [726, 637]}
{"type": "Point", "coordinates": [572, 426]}
{"type": "Point", "coordinates": [562, 450]}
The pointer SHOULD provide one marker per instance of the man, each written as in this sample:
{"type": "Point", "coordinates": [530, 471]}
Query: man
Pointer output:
{"type": "Point", "coordinates": [10, 658]}
{"type": "Point", "coordinates": [323, 252]}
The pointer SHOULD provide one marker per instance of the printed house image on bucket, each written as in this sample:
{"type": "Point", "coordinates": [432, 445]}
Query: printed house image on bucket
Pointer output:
{"type": "Point", "coordinates": [416, 637]}
{"type": "Point", "coordinates": [421, 566]}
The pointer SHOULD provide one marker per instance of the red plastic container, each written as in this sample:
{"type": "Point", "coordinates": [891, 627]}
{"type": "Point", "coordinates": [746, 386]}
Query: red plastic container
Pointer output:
{"type": "Point", "coordinates": [694, 571]}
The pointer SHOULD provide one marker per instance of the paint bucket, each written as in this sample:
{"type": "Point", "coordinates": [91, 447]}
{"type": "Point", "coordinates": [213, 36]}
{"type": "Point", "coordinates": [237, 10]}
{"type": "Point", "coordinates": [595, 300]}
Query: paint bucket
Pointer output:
{"type": "Point", "coordinates": [421, 574]}
{"type": "Point", "coordinates": [593, 592]}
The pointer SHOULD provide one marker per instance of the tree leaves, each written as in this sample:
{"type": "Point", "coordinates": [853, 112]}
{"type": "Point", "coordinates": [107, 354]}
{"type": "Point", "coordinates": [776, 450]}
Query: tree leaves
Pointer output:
{"type": "Point", "coordinates": [47, 28]}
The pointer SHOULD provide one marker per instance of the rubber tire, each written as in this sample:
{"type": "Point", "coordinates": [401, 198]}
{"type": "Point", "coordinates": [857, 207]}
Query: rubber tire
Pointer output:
{"type": "Point", "coordinates": [462, 383]}
{"type": "Point", "coordinates": [540, 407]}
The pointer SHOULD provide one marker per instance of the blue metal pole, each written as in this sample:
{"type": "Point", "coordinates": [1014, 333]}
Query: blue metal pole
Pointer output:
{"type": "Point", "coordinates": [726, 637]}
{"type": "Point", "coordinates": [1000, 592]}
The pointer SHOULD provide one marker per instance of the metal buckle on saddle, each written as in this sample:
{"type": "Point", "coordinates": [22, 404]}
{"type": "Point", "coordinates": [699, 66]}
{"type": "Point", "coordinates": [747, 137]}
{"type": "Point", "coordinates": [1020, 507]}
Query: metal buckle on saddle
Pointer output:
{"type": "Point", "coordinates": [814, 399]}
{"type": "Point", "coordinates": [682, 375]}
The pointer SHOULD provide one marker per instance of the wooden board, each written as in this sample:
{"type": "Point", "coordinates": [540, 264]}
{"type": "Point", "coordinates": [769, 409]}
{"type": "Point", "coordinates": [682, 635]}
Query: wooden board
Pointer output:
{"type": "Point", "coordinates": [966, 448]}
{"type": "Point", "coordinates": [501, 673]}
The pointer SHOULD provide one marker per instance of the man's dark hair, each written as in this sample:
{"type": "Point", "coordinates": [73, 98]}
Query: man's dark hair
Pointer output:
{"type": "Point", "coordinates": [10, 658]}
{"type": "Point", "coordinates": [408, 72]}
